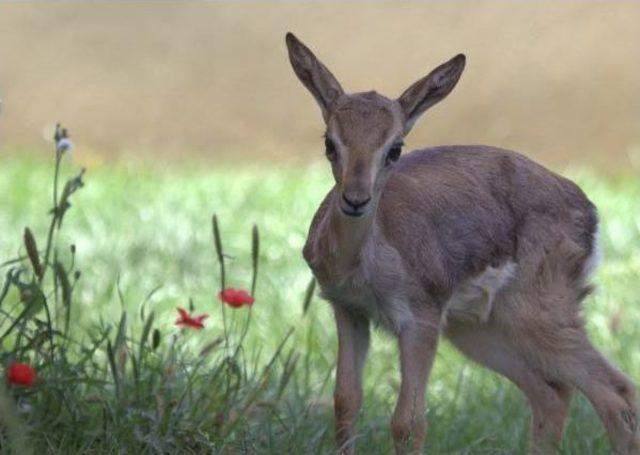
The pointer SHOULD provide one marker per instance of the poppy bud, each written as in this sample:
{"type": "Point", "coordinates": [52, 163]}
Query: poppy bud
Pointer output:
{"type": "Point", "coordinates": [21, 374]}
{"type": "Point", "coordinates": [32, 252]}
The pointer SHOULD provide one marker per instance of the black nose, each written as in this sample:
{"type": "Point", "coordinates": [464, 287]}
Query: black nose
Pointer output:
{"type": "Point", "coordinates": [354, 203]}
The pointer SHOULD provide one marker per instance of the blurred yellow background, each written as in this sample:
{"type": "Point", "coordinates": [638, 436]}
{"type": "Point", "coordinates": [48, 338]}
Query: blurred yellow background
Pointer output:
{"type": "Point", "coordinates": [559, 81]}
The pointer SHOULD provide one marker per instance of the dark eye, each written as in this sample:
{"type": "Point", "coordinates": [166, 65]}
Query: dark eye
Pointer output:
{"type": "Point", "coordinates": [393, 154]}
{"type": "Point", "coordinates": [330, 149]}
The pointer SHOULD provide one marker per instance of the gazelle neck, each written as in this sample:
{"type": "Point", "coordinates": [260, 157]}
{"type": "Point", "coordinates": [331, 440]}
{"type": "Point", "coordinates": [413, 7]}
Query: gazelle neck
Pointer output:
{"type": "Point", "coordinates": [348, 235]}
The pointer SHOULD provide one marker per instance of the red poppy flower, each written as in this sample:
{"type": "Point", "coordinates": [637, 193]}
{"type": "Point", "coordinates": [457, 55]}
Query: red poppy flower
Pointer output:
{"type": "Point", "coordinates": [186, 320]}
{"type": "Point", "coordinates": [235, 298]}
{"type": "Point", "coordinates": [21, 374]}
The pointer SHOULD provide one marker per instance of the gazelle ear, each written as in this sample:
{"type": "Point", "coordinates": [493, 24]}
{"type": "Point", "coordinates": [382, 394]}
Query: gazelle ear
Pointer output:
{"type": "Point", "coordinates": [313, 74]}
{"type": "Point", "coordinates": [429, 90]}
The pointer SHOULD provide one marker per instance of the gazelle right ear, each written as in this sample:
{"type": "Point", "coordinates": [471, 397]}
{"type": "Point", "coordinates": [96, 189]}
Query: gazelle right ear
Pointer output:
{"type": "Point", "coordinates": [313, 74]}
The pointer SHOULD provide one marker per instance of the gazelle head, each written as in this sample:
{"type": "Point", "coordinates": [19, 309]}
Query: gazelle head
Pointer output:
{"type": "Point", "coordinates": [364, 131]}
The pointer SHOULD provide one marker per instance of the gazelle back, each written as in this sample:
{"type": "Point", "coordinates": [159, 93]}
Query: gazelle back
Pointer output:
{"type": "Point", "coordinates": [475, 242]}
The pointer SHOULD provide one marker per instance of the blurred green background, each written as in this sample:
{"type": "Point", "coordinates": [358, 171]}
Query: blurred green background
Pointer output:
{"type": "Point", "coordinates": [137, 229]}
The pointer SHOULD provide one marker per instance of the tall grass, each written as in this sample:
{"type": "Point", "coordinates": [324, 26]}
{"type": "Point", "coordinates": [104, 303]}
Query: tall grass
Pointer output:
{"type": "Point", "coordinates": [144, 241]}
{"type": "Point", "coordinates": [119, 385]}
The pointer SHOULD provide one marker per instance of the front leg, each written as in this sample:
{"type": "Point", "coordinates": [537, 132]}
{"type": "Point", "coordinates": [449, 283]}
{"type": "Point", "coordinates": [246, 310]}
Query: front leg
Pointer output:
{"type": "Point", "coordinates": [418, 343]}
{"type": "Point", "coordinates": [353, 342]}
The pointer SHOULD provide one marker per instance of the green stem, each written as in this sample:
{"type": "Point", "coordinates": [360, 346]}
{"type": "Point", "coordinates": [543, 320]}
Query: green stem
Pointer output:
{"type": "Point", "coordinates": [54, 218]}
{"type": "Point", "coordinates": [14, 261]}
{"type": "Point", "coordinates": [13, 425]}
{"type": "Point", "coordinates": [5, 286]}
{"type": "Point", "coordinates": [224, 328]}
{"type": "Point", "coordinates": [49, 247]}
{"type": "Point", "coordinates": [15, 322]}
{"type": "Point", "coordinates": [245, 329]}
{"type": "Point", "coordinates": [217, 241]}
{"type": "Point", "coordinates": [255, 249]}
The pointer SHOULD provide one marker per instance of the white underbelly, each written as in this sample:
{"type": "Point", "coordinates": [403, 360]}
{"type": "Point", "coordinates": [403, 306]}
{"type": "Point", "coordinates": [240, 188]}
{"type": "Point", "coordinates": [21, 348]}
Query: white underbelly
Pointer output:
{"type": "Point", "coordinates": [472, 301]}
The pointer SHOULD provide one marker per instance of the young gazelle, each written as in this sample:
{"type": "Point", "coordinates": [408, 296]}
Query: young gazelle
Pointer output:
{"type": "Point", "coordinates": [478, 243]}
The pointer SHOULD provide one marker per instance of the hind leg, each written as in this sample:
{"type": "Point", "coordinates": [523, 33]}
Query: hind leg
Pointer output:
{"type": "Point", "coordinates": [566, 355]}
{"type": "Point", "coordinates": [549, 400]}
{"type": "Point", "coordinates": [612, 395]}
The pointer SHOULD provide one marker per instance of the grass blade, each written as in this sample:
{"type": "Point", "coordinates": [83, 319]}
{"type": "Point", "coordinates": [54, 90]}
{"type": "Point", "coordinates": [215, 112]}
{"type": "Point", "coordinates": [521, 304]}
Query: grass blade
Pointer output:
{"type": "Point", "coordinates": [122, 332]}
{"type": "Point", "coordinates": [255, 250]}
{"type": "Point", "coordinates": [113, 368]}
{"type": "Point", "coordinates": [145, 335]}
{"type": "Point", "coordinates": [146, 300]}
{"type": "Point", "coordinates": [308, 296]}
{"type": "Point", "coordinates": [219, 252]}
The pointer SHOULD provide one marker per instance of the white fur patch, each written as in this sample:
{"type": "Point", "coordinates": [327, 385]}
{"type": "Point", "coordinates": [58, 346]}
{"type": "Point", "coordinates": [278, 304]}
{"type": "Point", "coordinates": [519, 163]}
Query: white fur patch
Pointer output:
{"type": "Point", "coordinates": [594, 258]}
{"type": "Point", "coordinates": [472, 301]}
{"type": "Point", "coordinates": [392, 314]}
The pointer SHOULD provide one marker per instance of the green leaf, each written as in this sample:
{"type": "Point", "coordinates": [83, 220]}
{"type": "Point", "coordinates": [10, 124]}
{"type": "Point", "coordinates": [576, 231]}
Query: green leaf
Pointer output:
{"type": "Point", "coordinates": [65, 285]}
{"type": "Point", "coordinates": [33, 299]}
{"type": "Point", "coordinates": [145, 335]}
{"type": "Point", "coordinates": [72, 185]}
{"type": "Point", "coordinates": [121, 336]}
{"type": "Point", "coordinates": [308, 296]}
{"type": "Point", "coordinates": [146, 300]}
{"type": "Point", "coordinates": [155, 339]}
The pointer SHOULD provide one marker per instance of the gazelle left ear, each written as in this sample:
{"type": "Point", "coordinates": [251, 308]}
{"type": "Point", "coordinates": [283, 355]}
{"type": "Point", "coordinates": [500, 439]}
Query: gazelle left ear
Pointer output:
{"type": "Point", "coordinates": [430, 89]}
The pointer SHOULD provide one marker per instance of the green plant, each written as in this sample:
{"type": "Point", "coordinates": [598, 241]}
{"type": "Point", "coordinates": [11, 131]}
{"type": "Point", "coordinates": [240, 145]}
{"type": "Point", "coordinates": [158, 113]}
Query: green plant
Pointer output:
{"type": "Point", "coordinates": [146, 225]}
{"type": "Point", "coordinates": [126, 385]}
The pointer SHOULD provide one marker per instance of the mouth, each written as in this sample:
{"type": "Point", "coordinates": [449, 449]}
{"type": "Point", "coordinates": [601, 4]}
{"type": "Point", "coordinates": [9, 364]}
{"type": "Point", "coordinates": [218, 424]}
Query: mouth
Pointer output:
{"type": "Point", "coordinates": [352, 213]}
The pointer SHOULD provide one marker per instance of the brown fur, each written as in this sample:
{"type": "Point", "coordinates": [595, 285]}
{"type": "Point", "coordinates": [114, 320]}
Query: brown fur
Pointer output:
{"type": "Point", "coordinates": [487, 231]}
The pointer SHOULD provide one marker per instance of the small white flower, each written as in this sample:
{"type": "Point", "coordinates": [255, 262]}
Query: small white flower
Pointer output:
{"type": "Point", "coordinates": [64, 145]}
{"type": "Point", "coordinates": [25, 408]}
